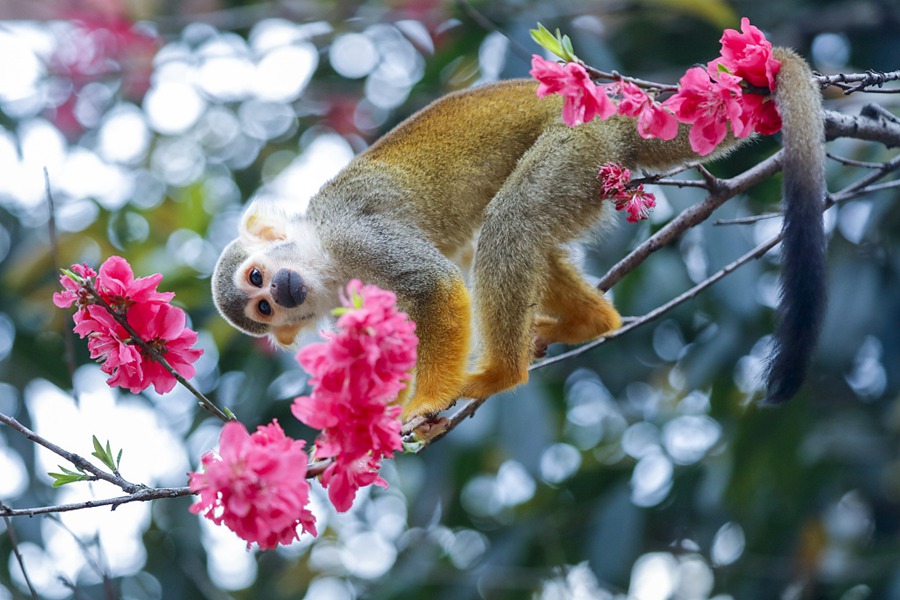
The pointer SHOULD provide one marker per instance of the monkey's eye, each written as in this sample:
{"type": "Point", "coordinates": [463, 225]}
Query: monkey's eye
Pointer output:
{"type": "Point", "coordinates": [256, 278]}
{"type": "Point", "coordinates": [264, 308]}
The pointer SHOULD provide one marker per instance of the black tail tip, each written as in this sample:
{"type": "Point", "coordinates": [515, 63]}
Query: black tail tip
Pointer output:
{"type": "Point", "coordinates": [782, 387]}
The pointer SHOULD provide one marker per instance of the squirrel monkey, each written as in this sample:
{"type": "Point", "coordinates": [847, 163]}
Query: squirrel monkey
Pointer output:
{"type": "Point", "coordinates": [495, 164]}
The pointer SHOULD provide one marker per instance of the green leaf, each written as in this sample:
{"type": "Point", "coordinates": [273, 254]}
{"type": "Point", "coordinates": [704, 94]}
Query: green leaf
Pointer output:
{"type": "Point", "coordinates": [67, 476]}
{"type": "Point", "coordinates": [544, 38]}
{"type": "Point", "coordinates": [105, 455]}
{"type": "Point", "coordinates": [557, 43]}
{"type": "Point", "coordinates": [568, 50]}
{"type": "Point", "coordinates": [412, 446]}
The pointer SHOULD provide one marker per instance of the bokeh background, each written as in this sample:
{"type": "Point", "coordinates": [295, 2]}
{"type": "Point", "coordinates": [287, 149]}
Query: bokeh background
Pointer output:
{"type": "Point", "coordinates": [640, 470]}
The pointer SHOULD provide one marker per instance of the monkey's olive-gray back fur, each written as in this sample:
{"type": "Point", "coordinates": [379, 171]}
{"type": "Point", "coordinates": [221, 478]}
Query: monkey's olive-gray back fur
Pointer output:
{"type": "Point", "coordinates": [229, 300]}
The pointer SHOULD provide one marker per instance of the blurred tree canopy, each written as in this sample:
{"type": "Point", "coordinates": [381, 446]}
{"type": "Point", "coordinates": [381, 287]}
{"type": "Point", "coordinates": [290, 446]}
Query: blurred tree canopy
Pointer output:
{"type": "Point", "coordinates": [641, 469]}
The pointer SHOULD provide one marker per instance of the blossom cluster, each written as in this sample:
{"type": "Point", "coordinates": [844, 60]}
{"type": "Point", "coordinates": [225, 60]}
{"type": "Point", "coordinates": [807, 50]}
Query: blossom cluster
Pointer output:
{"type": "Point", "coordinates": [614, 178]}
{"type": "Point", "coordinates": [356, 374]}
{"type": "Point", "coordinates": [150, 315]}
{"type": "Point", "coordinates": [256, 485]}
{"type": "Point", "coordinates": [734, 88]}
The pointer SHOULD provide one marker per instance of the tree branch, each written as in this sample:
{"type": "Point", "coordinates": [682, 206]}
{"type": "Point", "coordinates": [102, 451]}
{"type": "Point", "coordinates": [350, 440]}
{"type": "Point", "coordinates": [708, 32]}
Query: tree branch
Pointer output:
{"type": "Point", "coordinates": [144, 494]}
{"type": "Point", "coordinates": [14, 541]}
{"type": "Point", "coordinates": [693, 215]}
{"type": "Point", "coordinates": [424, 433]}
{"type": "Point", "coordinates": [77, 460]}
{"type": "Point", "coordinates": [205, 403]}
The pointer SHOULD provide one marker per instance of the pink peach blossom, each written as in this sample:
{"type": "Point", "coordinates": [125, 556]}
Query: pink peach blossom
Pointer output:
{"type": "Point", "coordinates": [147, 311]}
{"type": "Point", "coordinates": [614, 179]}
{"type": "Point", "coordinates": [709, 105]}
{"type": "Point", "coordinates": [73, 292]}
{"type": "Point", "coordinates": [356, 373]}
{"type": "Point", "coordinates": [256, 485]}
{"type": "Point", "coordinates": [583, 99]}
{"type": "Point", "coordinates": [654, 120]}
{"type": "Point", "coordinates": [748, 55]}
{"type": "Point", "coordinates": [117, 285]}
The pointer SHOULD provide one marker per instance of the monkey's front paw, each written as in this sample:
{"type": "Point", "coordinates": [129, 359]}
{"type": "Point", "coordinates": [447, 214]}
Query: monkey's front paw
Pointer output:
{"type": "Point", "coordinates": [490, 381]}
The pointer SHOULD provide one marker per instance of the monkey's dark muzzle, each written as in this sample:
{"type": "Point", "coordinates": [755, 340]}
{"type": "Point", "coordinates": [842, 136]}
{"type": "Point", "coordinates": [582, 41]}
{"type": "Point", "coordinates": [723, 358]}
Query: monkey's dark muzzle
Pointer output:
{"type": "Point", "coordinates": [287, 289]}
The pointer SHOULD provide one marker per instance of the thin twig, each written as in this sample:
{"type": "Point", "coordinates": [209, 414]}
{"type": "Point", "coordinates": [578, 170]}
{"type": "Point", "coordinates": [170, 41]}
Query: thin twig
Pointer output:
{"type": "Point", "coordinates": [844, 196]}
{"type": "Point", "coordinates": [14, 542]}
{"type": "Point", "coordinates": [682, 183]}
{"type": "Point", "coordinates": [864, 182]}
{"type": "Point", "coordinates": [156, 355]}
{"type": "Point", "coordinates": [750, 220]}
{"type": "Point", "coordinates": [486, 24]}
{"type": "Point", "coordinates": [68, 335]}
{"type": "Point", "coordinates": [433, 431]}
{"type": "Point", "coordinates": [654, 314]}
{"type": "Point", "coordinates": [96, 563]}
{"type": "Point", "coordinates": [860, 81]}
{"type": "Point", "coordinates": [77, 460]}
{"type": "Point", "coordinates": [690, 217]}
{"type": "Point", "coordinates": [854, 163]}
{"type": "Point", "coordinates": [143, 495]}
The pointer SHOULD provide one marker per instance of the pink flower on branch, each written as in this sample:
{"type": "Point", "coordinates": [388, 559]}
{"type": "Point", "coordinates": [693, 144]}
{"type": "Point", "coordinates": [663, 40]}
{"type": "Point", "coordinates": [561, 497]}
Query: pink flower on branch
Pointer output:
{"type": "Point", "coordinates": [583, 99]}
{"type": "Point", "coordinates": [638, 205]}
{"type": "Point", "coordinates": [731, 90]}
{"type": "Point", "coordinates": [709, 101]}
{"type": "Point", "coordinates": [117, 285]}
{"type": "Point", "coordinates": [614, 185]}
{"type": "Point", "coordinates": [73, 291]}
{"type": "Point", "coordinates": [356, 375]}
{"type": "Point", "coordinates": [256, 486]}
{"type": "Point", "coordinates": [100, 298]}
{"type": "Point", "coordinates": [653, 119]}
{"type": "Point", "coordinates": [748, 55]}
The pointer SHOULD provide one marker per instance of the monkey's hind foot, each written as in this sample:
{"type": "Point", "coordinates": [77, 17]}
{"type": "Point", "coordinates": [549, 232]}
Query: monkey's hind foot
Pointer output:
{"type": "Point", "coordinates": [492, 380]}
{"type": "Point", "coordinates": [426, 407]}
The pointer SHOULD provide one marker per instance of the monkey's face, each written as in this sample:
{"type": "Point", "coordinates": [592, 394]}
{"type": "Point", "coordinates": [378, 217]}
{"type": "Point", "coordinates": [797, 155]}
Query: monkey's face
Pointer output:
{"type": "Point", "coordinates": [283, 292]}
{"type": "Point", "coordinates": [275, 278]}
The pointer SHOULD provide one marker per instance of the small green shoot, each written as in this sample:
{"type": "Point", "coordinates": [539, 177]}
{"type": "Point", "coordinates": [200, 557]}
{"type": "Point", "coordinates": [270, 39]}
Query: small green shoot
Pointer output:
{"type": "Point", "coordinates": [105, 455]}
{"type": "Point", "coordinates": [558, 44]}
{"type": "Point", "coordinates": [67, 476]}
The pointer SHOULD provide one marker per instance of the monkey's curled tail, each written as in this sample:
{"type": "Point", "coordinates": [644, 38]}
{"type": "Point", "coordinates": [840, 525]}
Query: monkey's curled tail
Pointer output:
{"type": "Point", "coordinates": [802, 304]}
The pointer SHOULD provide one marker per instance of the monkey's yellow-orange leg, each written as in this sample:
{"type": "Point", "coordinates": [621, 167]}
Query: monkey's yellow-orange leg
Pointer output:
{"type": "Point", "coordinates": [573, 310]}
{"type": "Point", "coordinates": [444, 332]}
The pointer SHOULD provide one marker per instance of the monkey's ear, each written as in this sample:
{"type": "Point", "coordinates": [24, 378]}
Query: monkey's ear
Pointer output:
{"type": "Point", "coordinates": [286, 334]}
{"type": "Point", "coordinates": [263, 221]}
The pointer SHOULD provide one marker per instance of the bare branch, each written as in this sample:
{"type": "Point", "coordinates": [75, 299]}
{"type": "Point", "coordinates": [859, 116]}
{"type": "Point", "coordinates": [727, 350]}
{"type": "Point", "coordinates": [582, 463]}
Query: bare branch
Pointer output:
{"type": "Point", "coordinates": [77, 460]}
{"type": "Point", "coordinates": [860, 81]}
{"type": "Point", "coordinates": [867, 126]}
{"type": "Point", "coordinates": [98, 563]}
{"type": "Point", "coordinates": [853, 163]}
{"type": "Point", "coordinates": [425, 432]}
{"type": "Point", "coordinates": [14, 541]}
{"type": "Point", "coordinates": [142, 495]}
{"type": "Point", "coordinates": [844, 196]}
{"type": "Point", "coordinates": [871, 178]}
{"type": "Point", "coordinates": [157, 356]}
{"type": "Point", "coordinates": [654, 314]}
{"type": "Point", "coordinates": [68, 335]}
{"type": "Point", "coordinates": [690, 217]}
